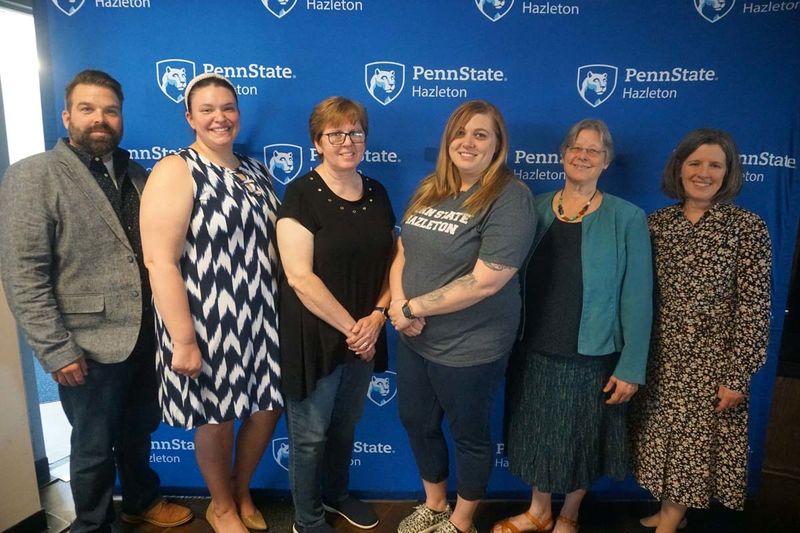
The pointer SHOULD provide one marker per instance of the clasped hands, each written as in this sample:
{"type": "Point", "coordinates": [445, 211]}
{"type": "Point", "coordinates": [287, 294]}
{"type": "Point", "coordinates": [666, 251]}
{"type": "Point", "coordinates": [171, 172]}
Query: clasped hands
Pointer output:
{"type": "Point", "coordinates": [408, 327]}
{"type": "Point", "coordinates": [364, 334]}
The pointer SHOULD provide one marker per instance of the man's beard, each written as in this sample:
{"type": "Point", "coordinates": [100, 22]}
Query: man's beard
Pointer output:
{"type": "Point", "coordinates": [95, 147]}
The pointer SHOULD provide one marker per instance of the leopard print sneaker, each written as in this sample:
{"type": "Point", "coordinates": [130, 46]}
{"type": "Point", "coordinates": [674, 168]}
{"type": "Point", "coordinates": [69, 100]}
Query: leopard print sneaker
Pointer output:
{"type": "Point", "coordinates": [448, 527]}
{"type": "Point", "coordinates": [424, 520]}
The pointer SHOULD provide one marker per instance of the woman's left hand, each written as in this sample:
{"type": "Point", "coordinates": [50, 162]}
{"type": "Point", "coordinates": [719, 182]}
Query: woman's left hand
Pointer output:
{"type": "Point", "coordinates": [364, 334]}
{"type": "Point", "coordinates": [623, 391]}
{"type": "Point", "coordinates": [399, 321]}
{"type": "Point", "coordinates": [728, 399]}
{"type": "Point", "coordinates": [366, 355]}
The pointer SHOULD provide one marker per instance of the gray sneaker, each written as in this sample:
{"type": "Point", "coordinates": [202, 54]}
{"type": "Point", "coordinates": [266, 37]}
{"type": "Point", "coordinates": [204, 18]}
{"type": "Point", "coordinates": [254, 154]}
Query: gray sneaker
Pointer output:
{"type": "Point", "coordinates": [424, 520]}
{"type": "Point", "coordinates": [448, 527]}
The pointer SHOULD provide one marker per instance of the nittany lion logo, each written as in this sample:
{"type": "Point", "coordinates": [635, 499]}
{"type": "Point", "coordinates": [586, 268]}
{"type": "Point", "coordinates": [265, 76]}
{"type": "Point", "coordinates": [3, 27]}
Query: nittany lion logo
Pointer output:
{"type": "Point", "coordinates": [279, 8]}
{"type": "Point", "coordinates": [285, 161]}
{"type": "Point", "coordinates": [68, 7]}
{"type": "Point", "coordinates": [713, 10]}
{"type": "Point", "coordinates": [172, 76]}
{"type": "Point", "coordinates": [494, 10]}
{"type": "Point", "coordinates": [382, 388]}
{"type": "Point", "coordinates": [385, 80]}
{"type": "Point", "coordinates": [280, 452]}
{"type": "Point", "coordinates": [596, 83]}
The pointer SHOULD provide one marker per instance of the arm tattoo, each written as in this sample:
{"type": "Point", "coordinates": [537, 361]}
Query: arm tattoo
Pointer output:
{"type": "Point", "coordinates": [467, 281]}
{"type": "Point", "coordinates": [497, 267]}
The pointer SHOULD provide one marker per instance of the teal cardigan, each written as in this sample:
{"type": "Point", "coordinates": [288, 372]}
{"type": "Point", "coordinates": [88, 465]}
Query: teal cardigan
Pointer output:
{"type": "Point", "coordinates": [617, 268]}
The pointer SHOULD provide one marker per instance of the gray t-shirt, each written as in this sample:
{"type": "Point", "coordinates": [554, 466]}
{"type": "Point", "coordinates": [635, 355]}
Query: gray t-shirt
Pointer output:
{"type": "Point", "coordinates": [443, 243]}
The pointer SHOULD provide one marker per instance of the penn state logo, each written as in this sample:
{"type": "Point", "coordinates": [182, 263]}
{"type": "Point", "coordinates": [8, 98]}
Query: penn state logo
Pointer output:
{"type": "Point", "coordinates": [494, 10]}
{"type": "Point", "coordinates": [279, 8]}
{"type": "Point", "coordinates": [280, 452]}
{"type": "Point", "coordinates": [596, 83]}
{"type": "Point", "coordinates": [385, 80]}
{"type": "Point", "coordinates": [713, 10]}
{"type": "Point", "coordinates": [173, 75]}
{"type": "Point", "coordinates": [284, 161]}
{"type": "Point", "coordinates": [68, 7]}
{"type": "Point", "coordinates": [382, 388]}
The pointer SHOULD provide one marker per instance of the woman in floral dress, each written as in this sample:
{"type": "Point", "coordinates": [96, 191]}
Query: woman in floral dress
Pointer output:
{"type": "Point", "coordinates": [713, 272]}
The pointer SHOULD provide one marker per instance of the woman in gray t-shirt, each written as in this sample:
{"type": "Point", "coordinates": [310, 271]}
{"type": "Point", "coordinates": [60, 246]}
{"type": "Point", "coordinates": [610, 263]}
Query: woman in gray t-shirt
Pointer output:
{"type": "Point", "coordinates": [456, 303]}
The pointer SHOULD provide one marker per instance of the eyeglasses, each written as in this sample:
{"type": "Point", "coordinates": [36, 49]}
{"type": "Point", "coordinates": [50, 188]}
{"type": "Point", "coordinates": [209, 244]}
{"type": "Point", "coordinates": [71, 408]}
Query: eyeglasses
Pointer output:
{"type": "Point", "coordinates": [337, 137]}
{"type": "Point", "coordinates": [591, 152]}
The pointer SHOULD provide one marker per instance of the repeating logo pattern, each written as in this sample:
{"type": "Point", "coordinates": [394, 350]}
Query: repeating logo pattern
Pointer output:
{"type": "Point", "coordinates": [384, 80]}
{"type": "Point", "coordinates": [382, 388]}
{"type": "Point", "coordinates": [280, 452]}
{"type": "Point", "coordinates": [68, 7]}
{"type": "Point", "coordinates": [279, 8]}
{"type": "Point", "coordinates": [172, 76]}
{"type": "Point", "coordinates": [713, 10]}
{"type": "Point", "coordinates": [494, 10]}
{"type": "Point", "coordinates": [596, 83]}
{"type": "Point", "coordinates": [284, 161]}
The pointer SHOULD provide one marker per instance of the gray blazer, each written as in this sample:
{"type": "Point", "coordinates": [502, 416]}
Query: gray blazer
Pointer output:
{"type": "Point", "coordinates": [68, 269]}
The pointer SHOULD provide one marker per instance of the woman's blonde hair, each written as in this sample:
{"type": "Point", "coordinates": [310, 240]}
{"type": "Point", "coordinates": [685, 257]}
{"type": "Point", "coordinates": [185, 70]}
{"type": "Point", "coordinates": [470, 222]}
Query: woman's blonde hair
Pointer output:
{"type": "Point", "coordinates": [445, 181]}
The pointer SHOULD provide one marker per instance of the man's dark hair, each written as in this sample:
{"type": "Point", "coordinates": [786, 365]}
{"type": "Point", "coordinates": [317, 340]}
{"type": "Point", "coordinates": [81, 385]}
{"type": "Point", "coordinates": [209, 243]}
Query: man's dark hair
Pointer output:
{"type": "Point", "coordinates": [92, 77]}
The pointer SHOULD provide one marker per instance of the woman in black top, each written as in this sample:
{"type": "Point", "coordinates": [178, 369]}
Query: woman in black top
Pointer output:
{"type": "Point", "coordinates": [335, 231]}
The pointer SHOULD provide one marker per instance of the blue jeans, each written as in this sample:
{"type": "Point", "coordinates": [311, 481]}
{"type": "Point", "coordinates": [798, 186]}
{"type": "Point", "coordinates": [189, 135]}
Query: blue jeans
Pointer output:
{"type": "Point", "coordinates": [112, 416]}
{"type": "Point", "coordinates": [428, 391]}
{"type": "Point", "coordinates": [321, 429]}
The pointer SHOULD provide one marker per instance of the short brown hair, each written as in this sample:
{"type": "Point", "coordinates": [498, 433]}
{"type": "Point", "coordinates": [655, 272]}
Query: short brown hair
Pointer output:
{"type": "Point", "coordinates": [593, 124]}
{"type": "Point", "coordinates": [334, 111]}
{"type": "Point", "coordinates": [92, 77]}
{"type": "Point", "coordinates": [671, 183]}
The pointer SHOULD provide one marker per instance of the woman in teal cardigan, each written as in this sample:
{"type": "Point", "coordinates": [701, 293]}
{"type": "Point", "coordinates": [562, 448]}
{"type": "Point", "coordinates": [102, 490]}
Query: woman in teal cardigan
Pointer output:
{"type": "Point", "coordinates": [585, 337]}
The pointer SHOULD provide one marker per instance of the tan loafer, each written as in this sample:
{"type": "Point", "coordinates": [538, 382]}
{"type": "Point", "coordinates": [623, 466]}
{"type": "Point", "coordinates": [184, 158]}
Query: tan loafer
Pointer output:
{"type": "Point", "coordinates": [161, 514]}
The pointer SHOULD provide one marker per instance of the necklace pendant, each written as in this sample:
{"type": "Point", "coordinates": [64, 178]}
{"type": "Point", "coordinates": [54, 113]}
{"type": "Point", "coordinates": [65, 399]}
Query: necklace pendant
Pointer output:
{"type": "Point", "coordinates": [581, 212]}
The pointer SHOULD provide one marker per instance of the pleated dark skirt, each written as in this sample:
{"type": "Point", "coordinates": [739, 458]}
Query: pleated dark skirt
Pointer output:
{"type": "Point", "coordinates": [560, 434]}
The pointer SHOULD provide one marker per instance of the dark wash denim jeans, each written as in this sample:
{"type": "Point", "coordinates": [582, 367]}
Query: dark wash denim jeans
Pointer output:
{"type": "Point", "coordinates": [428, 391]}
{"type": "Point", "coordinates": [112, 417]}
{"type": "Point", "coordinates": [321, 430]}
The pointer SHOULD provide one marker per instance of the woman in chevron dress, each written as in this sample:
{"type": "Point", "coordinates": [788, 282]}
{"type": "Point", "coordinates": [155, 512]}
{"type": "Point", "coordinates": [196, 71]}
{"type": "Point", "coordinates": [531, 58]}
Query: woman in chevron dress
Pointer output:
{"type": "Point", "coordinates": [208, 234]}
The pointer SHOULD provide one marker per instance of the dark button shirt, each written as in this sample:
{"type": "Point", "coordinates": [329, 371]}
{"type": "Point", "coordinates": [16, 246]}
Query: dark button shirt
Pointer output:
{"type": "Point", "coordinates": [124, 198]}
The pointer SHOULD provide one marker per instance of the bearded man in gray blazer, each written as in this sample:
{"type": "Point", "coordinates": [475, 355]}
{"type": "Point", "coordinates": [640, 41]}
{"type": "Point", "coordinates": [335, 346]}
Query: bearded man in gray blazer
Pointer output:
{"type": "Point", "coordinates": [71, 265]}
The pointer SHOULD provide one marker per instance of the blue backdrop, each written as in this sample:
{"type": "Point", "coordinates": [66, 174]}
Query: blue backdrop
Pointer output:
{"type": "Point", "coordinates": [651, 70]}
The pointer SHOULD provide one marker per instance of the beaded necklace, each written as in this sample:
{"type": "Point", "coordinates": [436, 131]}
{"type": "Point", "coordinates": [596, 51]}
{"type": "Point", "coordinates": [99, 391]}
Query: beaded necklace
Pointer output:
{"type": "Point", "coordinates": [582, 212]}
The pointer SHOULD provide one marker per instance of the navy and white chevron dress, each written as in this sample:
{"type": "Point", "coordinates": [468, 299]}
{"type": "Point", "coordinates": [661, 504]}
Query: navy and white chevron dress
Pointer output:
{"type": "Point", "coordinates": [230, 269]}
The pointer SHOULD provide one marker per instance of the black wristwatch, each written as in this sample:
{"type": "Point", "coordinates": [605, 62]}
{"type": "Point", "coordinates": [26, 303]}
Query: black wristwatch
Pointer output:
{"type": "Point", "coordinates": [381, 310]}
{"type": "Point", "coordinates": [407, 311]}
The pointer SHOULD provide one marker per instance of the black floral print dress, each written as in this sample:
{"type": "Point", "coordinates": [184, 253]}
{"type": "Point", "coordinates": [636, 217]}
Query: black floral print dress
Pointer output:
{"type": "Point", "coordinates": [711, 328]}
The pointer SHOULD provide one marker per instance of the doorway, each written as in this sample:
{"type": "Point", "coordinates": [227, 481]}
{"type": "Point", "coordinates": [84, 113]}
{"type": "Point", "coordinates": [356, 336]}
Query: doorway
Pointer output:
{"type": "Point", "coordinates": [21, 135]}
